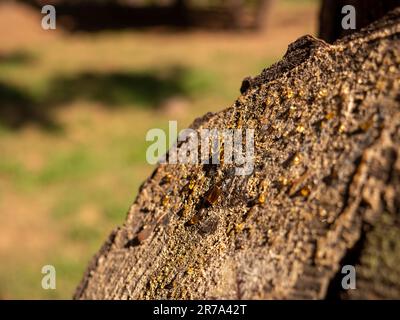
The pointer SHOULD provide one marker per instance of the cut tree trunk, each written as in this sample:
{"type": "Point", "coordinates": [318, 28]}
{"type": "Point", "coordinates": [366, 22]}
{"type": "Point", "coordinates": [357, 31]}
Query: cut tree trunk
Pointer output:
{"type": "Point", "coordinates": [325, 190]}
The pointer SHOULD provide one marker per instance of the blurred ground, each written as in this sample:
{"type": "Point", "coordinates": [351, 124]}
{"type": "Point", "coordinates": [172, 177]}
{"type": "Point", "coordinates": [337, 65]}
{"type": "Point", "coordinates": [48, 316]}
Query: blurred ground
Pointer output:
{"type": "Point", "coordinates": [74, 111]}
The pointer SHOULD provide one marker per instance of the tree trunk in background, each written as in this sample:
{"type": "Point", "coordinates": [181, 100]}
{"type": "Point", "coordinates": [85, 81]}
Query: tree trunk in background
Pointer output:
{"type": "Point", "coordinates": [367, 11]}
{"type": "Point", "coordinates": [181, 14]}
{"type": "Point", "coordinates": [325, 190]}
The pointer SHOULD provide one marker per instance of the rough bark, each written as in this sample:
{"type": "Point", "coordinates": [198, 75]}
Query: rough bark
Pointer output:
{"type": "Point", "coordinates": [325, 190]}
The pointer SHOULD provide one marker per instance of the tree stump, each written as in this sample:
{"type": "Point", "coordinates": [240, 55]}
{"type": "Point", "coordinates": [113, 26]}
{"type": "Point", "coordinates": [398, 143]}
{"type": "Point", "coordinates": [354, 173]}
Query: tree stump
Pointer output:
{"type": "Point", "coordinates": [325, 190]}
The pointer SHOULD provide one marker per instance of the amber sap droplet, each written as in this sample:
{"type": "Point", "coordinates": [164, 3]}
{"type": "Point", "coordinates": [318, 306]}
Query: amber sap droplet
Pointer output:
{"type": "Point", "coordinates": [300, 129]}
{"type": "Point", "coordinates": [194, 220]}
{"type": "Point", "coordinates": [268, 101]}
{"type": "Point", "coordinates": [192, 184]}
{"type": "Point", "coordinates": [329, 115]}
{"type": "Point", "coordinates": [284, 181]}
{"type": "Point", "coordinates": [323, 213]}
{"type": "Point", "coordinates": [305, 192]}
{"type": "Point", "coordinates": [296, 159]}
{"type": "Point", "coordinates": [261, 198]}
{"type": "Point", "coordinates": [289, 93]}
{"type": "Point", "coordinates": [167, 178]}
{"type": "Point", "coordinates": [145, 233]}
{"type": "Point", "coordinates": [190, 271]}
{"type": "Point", "coordinates": [165, 201]}
{"type": "Point", "coordinates": [239, 227]}
{"type": "Point", "coordinates": [366, 125]}
{"type": "Point", "coordinates": [380, 85]}
{"type": "Point", "coordinates": [213, 196]}
{"type": "Point", "coordinates": [322, 93]}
